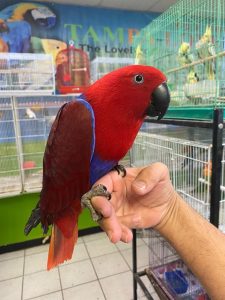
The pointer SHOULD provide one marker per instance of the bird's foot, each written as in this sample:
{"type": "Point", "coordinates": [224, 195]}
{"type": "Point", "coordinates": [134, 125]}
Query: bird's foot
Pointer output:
{"type": "Point", "coordinates": [33, 221]}
{"type": "Point", "coordinates": [120, 170]}
{"type": "Point", "coordinates": [98, 190]}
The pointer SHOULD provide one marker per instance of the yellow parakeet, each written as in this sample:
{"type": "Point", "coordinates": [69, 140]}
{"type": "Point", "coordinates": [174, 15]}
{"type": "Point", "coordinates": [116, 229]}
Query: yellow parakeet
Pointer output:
{"type": "Point", "coordinates": [185, 57]}
{"type": "Point", "coordinates": [206, 48]}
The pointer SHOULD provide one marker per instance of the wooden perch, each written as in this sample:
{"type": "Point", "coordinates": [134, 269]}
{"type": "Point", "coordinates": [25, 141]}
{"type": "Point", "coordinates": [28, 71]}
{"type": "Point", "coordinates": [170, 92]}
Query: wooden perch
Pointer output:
{"type": "Point", "coordinates": [197, 62]}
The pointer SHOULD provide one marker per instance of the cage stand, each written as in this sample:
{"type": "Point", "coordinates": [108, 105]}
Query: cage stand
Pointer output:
{"type": "Point", "coordinates": [216, 125]}
{"type": "Point", "coordinates": [217, 153]}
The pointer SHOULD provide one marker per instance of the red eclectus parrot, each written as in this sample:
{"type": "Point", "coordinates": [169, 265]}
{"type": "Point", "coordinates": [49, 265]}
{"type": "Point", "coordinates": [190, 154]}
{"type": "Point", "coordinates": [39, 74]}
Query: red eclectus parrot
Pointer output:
{"type": "Point", "coordinates": [88, 138]}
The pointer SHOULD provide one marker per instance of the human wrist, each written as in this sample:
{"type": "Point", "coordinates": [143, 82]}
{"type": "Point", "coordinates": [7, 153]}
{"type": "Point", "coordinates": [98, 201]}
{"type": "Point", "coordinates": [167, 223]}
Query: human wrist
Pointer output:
{"type": "Point", "coordinates": [169, 218]}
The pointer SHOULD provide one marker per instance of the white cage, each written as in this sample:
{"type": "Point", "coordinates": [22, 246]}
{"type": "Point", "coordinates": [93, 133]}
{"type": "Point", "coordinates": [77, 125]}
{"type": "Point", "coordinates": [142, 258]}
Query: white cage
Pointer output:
{"type": "Point", "coordinates": [26, 73]}
{"type": "Point", "coordinates": [190, 167]}
{"type": "Point", "coordinates": [168, 274]}
{"type": "Point", "coordinates": [10, 176]}
{"type": "Point", "coordinates": [25, 123]}
{"type": "Point", "coordinates": [103, 65]}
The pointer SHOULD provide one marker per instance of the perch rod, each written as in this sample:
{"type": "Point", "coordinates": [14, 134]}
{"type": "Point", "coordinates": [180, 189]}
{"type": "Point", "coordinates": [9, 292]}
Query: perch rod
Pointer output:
{"type": "Point", "coordinates": [197, 62]}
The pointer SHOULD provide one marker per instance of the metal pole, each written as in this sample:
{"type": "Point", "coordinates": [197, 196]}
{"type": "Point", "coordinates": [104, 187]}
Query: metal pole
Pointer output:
{"type": "Point", "coordinates": [134, 260]}
{"type": "Point", "coordinates": [217, 152]}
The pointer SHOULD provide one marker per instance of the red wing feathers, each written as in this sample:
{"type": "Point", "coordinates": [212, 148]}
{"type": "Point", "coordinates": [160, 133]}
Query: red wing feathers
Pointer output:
{"type": "Point", "coordinates": [66, 176]}
{"type": "Point", "coordinates": [66, 167]}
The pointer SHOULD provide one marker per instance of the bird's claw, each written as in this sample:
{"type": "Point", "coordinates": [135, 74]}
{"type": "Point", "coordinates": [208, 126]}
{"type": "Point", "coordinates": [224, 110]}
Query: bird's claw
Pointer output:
{"type": "Point", "coordinates": [33, 221]}
{"type": "Point", "coordinates": [97, 190]}
{"type": "Point", "coordinates": [120, 170]}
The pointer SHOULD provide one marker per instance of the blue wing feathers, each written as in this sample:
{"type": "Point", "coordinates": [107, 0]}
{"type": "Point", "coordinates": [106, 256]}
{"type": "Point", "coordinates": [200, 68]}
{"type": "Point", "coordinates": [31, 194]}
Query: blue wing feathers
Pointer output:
{"type": "Point", "coordinates": [98, 167]}
{"type": "Point", "coordinates": [81, 98]}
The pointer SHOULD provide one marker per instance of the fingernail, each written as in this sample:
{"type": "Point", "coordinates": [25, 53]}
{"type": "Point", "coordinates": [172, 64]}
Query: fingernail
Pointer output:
{"type": "Point", "coordinates": [140, 184]}
{"type": "Point", "coordinates": [126, 240]}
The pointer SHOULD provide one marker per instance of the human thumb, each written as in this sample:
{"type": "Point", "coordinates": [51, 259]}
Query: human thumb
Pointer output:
{"type": "Point", "coordinates": [139, 186]}
{"type": "Point", "coordinates": [148, 178]}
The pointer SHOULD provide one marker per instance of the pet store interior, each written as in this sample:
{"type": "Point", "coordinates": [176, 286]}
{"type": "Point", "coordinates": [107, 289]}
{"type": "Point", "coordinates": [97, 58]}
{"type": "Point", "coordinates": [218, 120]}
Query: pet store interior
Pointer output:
{"type": "Point", "coordinates": [59, 59]}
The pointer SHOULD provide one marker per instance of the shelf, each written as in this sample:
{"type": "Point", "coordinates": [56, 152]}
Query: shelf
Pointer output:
{"type": "Point", "coordinates": [190, 113]}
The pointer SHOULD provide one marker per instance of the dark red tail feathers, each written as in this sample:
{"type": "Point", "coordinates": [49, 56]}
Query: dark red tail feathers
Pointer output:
{"type": "Point", "coordinates": [61, 247]}
{"type": "Point", "coordinates": [63, 239]}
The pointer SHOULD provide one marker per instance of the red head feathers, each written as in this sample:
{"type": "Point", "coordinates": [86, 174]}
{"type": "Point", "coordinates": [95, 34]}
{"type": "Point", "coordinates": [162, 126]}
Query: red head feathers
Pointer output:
{"type": "Point", "coordinates": [121, 100]}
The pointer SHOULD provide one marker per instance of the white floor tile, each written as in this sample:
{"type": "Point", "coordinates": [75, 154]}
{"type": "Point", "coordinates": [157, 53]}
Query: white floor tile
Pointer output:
{"type": "Point", "coordinates": [142, 256]}
{"type": "Point", "coordinates": [11, 289]}
{"type": "Point", "coordinates": [87, 291]}
{"type": "Point", "coordinates": [10, 255]}
{"type": "Point", "coordinates": [36, 262]}
{"type": "Point", "coordinates": [43, 248]}
{"type": "Point", "coordinates": [95, 236]}
{"type": "Point", "coordinates": [154, 296]}
{"type": "Point", "coordinates": [77, 273]}
{"type": "Point", "coordinates": [79, 253]}
{"type": "Point", "coordinates": [41, 283]}
{"type": "Point", "coordinates": [124, 246]}
{"type": "Point", "coordinates": [80, 240]}
{"type": "Point", "coordinates": [100, 247]}
{"type": "Point", "coordinates": [119, 287]}
{"type": "Point", "coordinates": [37, 249]}
{"type": "Point", "coordinates": [52, 296]}
{"type": "Point", "coordinates": [109, 264]}
{"type": "Point", "coordinates": [148, 285]}
{"type": "Point", "coordinates": [78, 277]}
{"type": "Point", "coordinates": [11, 268]}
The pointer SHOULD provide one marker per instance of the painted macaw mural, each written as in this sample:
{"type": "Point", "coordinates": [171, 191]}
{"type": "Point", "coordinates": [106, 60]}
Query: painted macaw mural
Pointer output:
{"type": "Point", "coordinates": [84, 42]}
{"type": "Point", "coordinates": [16, 22]}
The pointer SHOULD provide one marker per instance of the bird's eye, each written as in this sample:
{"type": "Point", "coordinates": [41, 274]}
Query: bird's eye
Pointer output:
{"type": "Point", "coordinates": [138, 78]}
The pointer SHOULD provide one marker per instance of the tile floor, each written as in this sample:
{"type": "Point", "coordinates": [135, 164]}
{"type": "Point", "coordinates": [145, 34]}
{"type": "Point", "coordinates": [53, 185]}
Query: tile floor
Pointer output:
{"type": "Point", "coordinates": [99, 270]}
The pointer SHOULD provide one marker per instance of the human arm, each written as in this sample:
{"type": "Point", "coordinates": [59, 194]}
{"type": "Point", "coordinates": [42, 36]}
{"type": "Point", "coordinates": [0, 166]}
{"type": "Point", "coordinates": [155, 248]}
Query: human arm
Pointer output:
{"type": "Point", "coordinates": [199, 243]}
{"type": "Point", "coordinates": [146, 198]}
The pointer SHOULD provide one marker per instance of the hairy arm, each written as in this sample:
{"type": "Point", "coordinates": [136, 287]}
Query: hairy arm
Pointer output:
{"type": "Point", "coordinates": [199, 243]}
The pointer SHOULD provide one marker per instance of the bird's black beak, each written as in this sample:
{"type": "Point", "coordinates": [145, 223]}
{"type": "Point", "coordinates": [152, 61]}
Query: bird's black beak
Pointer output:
{"type": "Point", "coordinates": [160, 101]}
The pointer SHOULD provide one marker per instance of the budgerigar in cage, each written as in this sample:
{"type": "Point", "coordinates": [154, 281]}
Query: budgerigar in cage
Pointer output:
{"type": "Point", "coordinates": [30, 113]}
{"type": "Point", "coordinates": [205, 48]}
{"type": "Point", "coordinates": [192, 76]}
{"type": "Point", "coordinates": [88, 138]}
{"type": "Point", "coordinates": [139, 56]}
{"type": "Point", "coordinates": [184, 54]}
{"type": "Point", "coordinates": [185, 57]}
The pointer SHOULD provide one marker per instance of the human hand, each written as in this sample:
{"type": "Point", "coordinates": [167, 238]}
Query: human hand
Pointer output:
{"type": "Point", "coordinates": [141, 199]}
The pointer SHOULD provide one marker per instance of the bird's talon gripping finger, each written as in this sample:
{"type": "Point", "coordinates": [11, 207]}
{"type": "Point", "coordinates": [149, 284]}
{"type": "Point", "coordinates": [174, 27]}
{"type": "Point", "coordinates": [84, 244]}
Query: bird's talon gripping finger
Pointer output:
{"type": "Point", "coordinates": [120, 170]}
{"type": "Point", "coordinates": [97, 190]}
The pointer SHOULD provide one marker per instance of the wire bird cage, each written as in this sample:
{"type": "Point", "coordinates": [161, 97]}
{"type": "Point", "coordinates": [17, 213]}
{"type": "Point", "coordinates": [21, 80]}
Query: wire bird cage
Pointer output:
{"type": "Point", "coordinates": [100, 66]}
{"type": "Point", "coordinates": [26, 73]}
{"type": "Point", "coordinates": [168, 274]}
{"type": "Point", "coordinates": [25, 122]}
{"type": "Point", "coordinates": [190, 168]}
{"type": "Point", "coordinates": [9, 158]}
{"type": "Point", "coordinates": [72, 71]}
{"type": "Point", "coordinates": [187, 42]}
